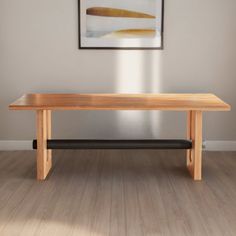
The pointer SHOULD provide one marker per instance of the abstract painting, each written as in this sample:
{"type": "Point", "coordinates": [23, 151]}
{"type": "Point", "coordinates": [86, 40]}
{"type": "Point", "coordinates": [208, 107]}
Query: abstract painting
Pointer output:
{"type": "Point", "coordinates": [117, 24]}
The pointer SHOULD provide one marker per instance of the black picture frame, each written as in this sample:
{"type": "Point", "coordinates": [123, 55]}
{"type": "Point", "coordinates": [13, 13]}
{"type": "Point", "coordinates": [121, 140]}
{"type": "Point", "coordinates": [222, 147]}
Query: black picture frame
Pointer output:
{"type": "Point", "coordinates": [120, 48]}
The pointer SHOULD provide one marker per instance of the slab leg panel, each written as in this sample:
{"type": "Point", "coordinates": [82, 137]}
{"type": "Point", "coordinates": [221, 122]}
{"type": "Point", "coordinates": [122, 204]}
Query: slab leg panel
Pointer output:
{"type": "Point", "coordinates": [44, 155]}
{"type": "Point", "coordinates": [194, 155]}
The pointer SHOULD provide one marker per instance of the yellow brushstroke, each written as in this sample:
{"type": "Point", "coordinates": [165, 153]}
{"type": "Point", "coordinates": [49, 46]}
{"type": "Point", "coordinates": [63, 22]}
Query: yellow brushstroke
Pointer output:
{"type": "Point", "coordinates": [114, 12]}
{"type": "Point", "coordinates": [132, 33]}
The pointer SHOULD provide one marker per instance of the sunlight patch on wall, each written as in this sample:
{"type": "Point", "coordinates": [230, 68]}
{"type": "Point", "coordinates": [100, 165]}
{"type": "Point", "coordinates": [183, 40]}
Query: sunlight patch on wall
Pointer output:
{"type": "Point", "coordinates": [156, 87]}
{"type": "Point", "coordinates": [138, 72]}
{"type": "Point", "coordinates": [129, 79]}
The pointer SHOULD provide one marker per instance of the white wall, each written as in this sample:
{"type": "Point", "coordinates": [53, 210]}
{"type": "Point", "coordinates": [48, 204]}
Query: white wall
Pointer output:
{"type": "Point", "coordinates": [39, 53]}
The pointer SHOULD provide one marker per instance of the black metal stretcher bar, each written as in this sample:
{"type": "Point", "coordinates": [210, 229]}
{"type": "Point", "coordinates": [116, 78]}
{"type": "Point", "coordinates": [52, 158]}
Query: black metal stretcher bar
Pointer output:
{"type": "Point", "coordinates": [117, 144]}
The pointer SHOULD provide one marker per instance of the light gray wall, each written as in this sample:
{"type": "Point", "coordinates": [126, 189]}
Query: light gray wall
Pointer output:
{"type": "Point", "coordinates": [39, 53]}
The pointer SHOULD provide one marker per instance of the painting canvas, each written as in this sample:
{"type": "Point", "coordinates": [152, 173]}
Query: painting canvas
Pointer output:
{"type": "Point", "coordinates": [127, 24]}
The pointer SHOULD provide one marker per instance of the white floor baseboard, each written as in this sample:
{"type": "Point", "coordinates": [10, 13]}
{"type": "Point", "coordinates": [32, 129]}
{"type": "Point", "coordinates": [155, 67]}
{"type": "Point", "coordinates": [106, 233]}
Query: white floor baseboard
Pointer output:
{"type": "Point", "coordinates": [209, 145]}
{"type": "Point", "coordinates": [14, 145]}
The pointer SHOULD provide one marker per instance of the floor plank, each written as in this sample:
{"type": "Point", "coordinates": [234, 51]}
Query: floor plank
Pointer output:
{"type": "Point", "coordinates": [117, 192]}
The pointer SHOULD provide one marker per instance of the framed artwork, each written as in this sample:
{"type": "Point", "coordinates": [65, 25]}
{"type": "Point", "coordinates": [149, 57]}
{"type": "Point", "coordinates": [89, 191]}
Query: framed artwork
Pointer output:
{"type": "Point", "coordinates": [121, 24]}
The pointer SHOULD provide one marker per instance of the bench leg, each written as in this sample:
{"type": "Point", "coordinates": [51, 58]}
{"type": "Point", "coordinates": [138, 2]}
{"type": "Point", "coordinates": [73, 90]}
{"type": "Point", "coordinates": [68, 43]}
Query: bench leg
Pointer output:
{"type": "Point", "coordinates": [194, 132]}
{"type": "Point", "coordinates": [44, 156]}
{"type": "Point", "coordinates": [49, 135]}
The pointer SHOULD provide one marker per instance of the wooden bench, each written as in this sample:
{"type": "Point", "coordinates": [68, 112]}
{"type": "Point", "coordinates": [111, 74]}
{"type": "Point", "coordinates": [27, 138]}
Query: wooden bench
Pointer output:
{"type": "Point", "coordinates": [193, 104]}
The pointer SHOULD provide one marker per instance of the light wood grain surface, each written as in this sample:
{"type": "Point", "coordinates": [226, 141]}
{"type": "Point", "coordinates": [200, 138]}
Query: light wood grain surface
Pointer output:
{"type": "Point", "coordinates": [117, 193]}
{"type": "Point", "coordinates": [194, 133]}
{"type": "Point", "coordinates": [44, 156]}
{"type": "Point", "coordinates": [178, 102]}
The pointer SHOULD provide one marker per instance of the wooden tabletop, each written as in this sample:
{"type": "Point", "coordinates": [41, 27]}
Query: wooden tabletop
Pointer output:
{"type": "Point", "coordinates": [178, 102]}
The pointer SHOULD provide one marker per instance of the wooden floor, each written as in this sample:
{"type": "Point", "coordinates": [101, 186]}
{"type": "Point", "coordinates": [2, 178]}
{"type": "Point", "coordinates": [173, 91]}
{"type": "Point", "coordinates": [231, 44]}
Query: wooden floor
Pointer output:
{"type": "Point", "coordinates": [117, 193]}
